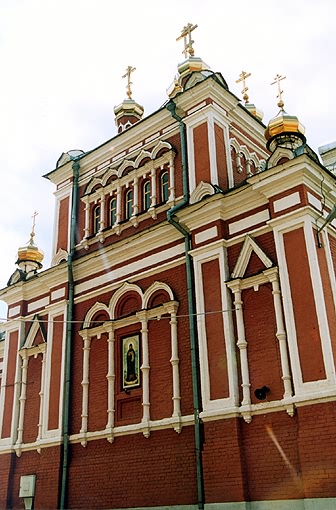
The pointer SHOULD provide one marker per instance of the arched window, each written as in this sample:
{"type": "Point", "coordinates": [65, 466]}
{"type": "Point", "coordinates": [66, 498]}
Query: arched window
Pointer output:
{"type": "Point", "coordinates": [113, 211]}
{"type": "Point", "coordinates": [96, 219]}
{"type": "Point", "coordinates": [129, 204]}
{"type": "Point", "coordinates": [146, 195]}
{"type": "Point", "coordinates": [164, 187]}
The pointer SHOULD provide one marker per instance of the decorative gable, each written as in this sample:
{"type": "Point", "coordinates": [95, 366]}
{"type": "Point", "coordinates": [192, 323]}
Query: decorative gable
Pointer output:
{"type": "Point", "coordinates": [249, 248]}
{"type": "Point", "coordinates": [36, 335]}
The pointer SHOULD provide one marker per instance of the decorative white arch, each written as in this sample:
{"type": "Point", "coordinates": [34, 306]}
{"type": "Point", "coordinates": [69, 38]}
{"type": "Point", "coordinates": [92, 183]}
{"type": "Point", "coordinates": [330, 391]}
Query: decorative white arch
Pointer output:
{"type": "Point", "coordinates": [161, 145]}
{"type": "Point", "coordinates": [92, 184]}
{"type": "Point", "coordinates": [143, 154]}
{"type": "Point", "coordinates": [97, 307]}
{"type": "Point", "coordinates": [235, 144]}
{"type": "Point", "coordinates": [126, 287]}
{"type": "Point", "coordinates": [153, 288]}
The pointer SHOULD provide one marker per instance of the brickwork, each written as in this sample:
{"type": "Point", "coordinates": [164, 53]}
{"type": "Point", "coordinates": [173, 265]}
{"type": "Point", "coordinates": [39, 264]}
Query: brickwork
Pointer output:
{"type": "Point", "coordinates": [134, 471]}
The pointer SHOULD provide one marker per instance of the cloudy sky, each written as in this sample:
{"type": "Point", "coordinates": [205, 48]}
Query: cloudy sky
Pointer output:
{"type": "Point", "coordinates": [62, 63]}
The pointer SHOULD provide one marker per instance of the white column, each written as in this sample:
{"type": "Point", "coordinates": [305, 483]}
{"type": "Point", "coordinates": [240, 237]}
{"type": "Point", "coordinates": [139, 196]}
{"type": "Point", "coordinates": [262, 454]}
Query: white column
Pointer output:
{"type": "Point", "coordinates": [135, 196]}
{"type": "Point", "coordinates": [238, 162]}
{"type": "Point", "coordinates": [175, 366]}
{"type": "Point", "coordinates": [110, 384]}
{"type": "Point", "coordinates": [171, 180]}
{"type": "Point", "coordinates": [87, 217]}
{"type": "Point", "coordinates": [145, 371]}
{"type": "Point", "coordinates": [102, 212]}
{"type": "Point", "coordinates": [153, 187]}
{"type": "Point", "coordinates": [85, 386]}
{"type": "Point", "coordinates": [281, 333]}
{"type": "Point", "coordinates": [23, 396]}
{"type": "Point", "coordinates": [39, 434]}
{"type": "Point", "coordinates": [242, 345]}
{"type": "Point", "coordinates": [118, 213]}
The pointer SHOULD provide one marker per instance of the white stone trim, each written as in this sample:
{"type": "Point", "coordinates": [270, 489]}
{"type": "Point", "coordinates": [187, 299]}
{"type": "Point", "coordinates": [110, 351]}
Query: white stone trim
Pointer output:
{"type": "Point", "coordinates": [249, 221]}
{"type": "Point", "coordinates": [209, 405]}
{"type": "Point", "coordinates": [286, 202]}
{"type": "Point", "coordinates": [205, 235]}
{"type": "Point", "coordinates": [302, 389]}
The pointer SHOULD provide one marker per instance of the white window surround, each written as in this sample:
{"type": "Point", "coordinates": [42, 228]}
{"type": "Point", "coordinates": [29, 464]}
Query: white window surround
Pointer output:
{"type": "Point", "coordinates": [314, 389]}
{"type": "Point", "coordinates": [26, 351]}
{"type": "Point", "coordinates": [210, 114]}
{"type": "Point", "coordinates": [54, 311]}
{"type": "Point", "coordinates": [109, 327]}
{"type": "Point", "coordinates": [230, 403]}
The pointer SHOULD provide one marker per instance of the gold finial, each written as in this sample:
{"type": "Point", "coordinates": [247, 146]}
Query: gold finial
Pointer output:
{"type": "Point", "coordinates": [186, 32]}
{"type": "Point", "coordinates": [277, 80]}
{"type": "Point", "coordinates": [127, 75]}
{"type": "Point", "coordinates": [242, 77]}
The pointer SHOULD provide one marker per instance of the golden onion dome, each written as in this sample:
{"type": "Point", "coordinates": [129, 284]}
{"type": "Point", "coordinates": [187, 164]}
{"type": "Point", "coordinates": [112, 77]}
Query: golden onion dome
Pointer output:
{"type": "Point", "coordinates": [282, 124]}
{"type": "Point", "coordinates": [30, 253]}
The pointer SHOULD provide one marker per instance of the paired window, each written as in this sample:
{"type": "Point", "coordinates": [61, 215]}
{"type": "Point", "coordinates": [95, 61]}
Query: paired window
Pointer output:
{"type": "Point", "coordinates": [129, 201]}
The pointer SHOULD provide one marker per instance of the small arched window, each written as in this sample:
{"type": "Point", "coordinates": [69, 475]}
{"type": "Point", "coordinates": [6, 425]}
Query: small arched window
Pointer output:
{"type": "Point", "coordinates": [146, 195]}
{"type": "Point", "coordinates": [164, 187]}
{"type": "Point", "coordinates": [129, 204]}
{"type": "Point", "coordinates": [113, 211]}
{"type": "Point", "coordinates": [96, 219]}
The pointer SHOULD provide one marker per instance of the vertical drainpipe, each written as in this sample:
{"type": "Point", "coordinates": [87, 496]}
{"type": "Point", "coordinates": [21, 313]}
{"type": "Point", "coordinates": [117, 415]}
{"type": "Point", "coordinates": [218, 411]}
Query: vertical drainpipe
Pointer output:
{"type": "Point", "coordinates": [70, 307]}
{"type": "Point", "coordinates": [195, 373]}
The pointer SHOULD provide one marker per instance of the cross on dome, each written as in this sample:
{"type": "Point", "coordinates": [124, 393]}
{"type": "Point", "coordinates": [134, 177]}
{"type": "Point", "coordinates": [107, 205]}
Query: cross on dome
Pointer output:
{"type": "Point", "coordinates": [127, 75]}
{"type": "Point", "coordinates": [242, 77]}
{"type": "Point", "coordinates": [188, 42]}
{"type": "Point", "coordinates": [277, 80]}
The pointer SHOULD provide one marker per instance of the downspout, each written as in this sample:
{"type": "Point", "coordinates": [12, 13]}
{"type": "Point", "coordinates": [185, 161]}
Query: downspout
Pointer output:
{"type": "Point", "coordinates": [195, 373]}
{"type": "Point", "coordinates": [68, 346]}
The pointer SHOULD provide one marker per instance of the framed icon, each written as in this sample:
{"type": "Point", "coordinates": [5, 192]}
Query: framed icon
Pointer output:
{"type": "Point", "coordinates": [131, 362]}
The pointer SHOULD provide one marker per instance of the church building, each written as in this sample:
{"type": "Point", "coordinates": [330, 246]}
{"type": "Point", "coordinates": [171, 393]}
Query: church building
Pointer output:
{"type": "Point", "coordinates": [180, 352]}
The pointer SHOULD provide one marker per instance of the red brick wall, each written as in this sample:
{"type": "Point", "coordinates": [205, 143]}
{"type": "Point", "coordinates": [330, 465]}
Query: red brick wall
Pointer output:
{"type": "Point", "coordinates": [46, 468]}
{"type": "Point", "coordinates": [223, 179]}
{"type": "Point", "coordinates": [63, 224]}
{"type": "Point", "coordinates": [32, 407]}
{"type": "Point", "coordinates": [307, 329]}
{"type": "Point", "coordinates": [134, 471]}
{"type": "Point", "coordinates": [98, 368]}
{"type": "Point", "coordinates": [262, 344]}
{"type": "Point", "coordinates": [161, 380]}
{"type": "Point", "coordinates": [55, 374]}
{"type": "Point", "coordinates": [201, 153]}
{"type": "Point", "coordinates": [218, 370]}
{"type": "Point", "coordinates": [9, 388]}
{"type": "Point", "coordinates": [329, 298]}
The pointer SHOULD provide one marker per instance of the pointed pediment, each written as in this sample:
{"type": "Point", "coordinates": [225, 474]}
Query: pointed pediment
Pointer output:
{"type": "Point", "coordinates": [36, 334]}
{"type": "Point", "coordinates": [249, 248]}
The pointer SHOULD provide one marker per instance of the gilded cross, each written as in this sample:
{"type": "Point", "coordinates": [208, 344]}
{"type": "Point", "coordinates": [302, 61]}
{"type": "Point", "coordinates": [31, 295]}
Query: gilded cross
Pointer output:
{"type": "Point", "coordinates": [242, 77]}
{"type": "Point", "coordinates": [188, 42]}
{"type": "Point", "coordinates": [33, 227]}
{"type": "Point", "coordinates": [127, 75]}
{"type": "Point", "coordinates": [277, 80]}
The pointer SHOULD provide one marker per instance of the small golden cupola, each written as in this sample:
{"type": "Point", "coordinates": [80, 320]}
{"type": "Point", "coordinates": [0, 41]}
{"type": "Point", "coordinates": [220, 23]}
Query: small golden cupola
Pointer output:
{"type": "Point", "coordinates": [129, 112]}
{"type": "Point", "coordinates": [192, 70]}
{"type": "Point", "coordinates": [30, 256]}
{"type": "Point", "coordinates": [284, 130]}
{"type": "Point", "coordinates": [249, 106]}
